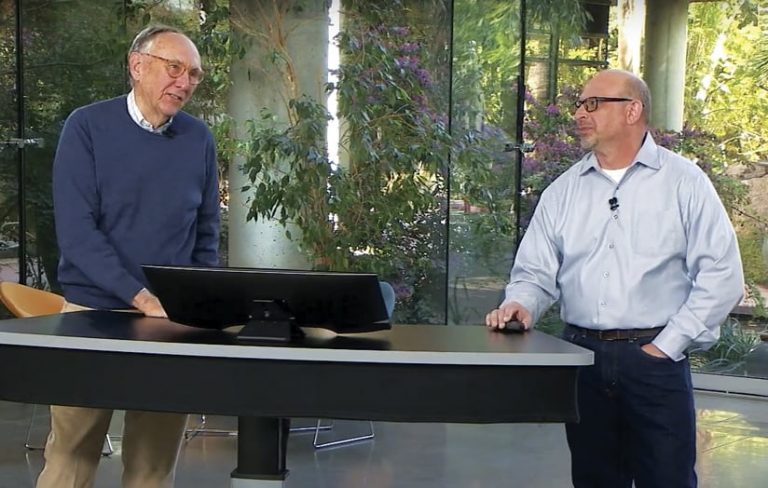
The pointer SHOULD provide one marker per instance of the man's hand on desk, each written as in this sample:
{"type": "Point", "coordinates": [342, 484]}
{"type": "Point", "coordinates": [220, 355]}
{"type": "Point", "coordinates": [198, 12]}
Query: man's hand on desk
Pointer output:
{"type": "Point", "coordinates": [508, 312]}
{"type": "Point", "coordinates": [148, 304]}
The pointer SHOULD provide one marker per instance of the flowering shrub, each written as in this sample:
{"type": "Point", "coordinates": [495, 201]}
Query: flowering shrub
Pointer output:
{"type": "Point", "coordinates": [711, 155]}
{"type": "Point", "coordinates": [382, 207]}
{"type": "Point", "coordinates": [551, 129]}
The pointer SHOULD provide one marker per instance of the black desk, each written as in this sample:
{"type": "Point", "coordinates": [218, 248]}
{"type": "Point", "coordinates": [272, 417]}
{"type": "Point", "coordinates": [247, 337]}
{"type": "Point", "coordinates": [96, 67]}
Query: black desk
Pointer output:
{"type": "Point", "coordinates": [413, 373]}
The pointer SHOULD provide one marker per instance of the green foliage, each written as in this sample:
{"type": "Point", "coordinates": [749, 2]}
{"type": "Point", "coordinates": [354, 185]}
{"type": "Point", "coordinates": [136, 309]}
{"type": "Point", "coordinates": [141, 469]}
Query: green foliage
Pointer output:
{"type": "Point", "coordinates": [381, 208]}
{"type": "Point", "coordinates": [751, 244]}
{"type": "Point", "coordinates": [290, 173]}
{"type": "Point", "coordinates": [551, 128]}
{"type": "Point", "coordinates": [484, 118]}
{"type": "Point", "coordinates": [751, 248]}
{"type": "Point", "coordinates": [729, 353]}
{"type": "Point", "coordinates": [487, 52]}
{"type": "Point", "coordinates": [723, 91]}
{"type": "Point", "coordinates": [747, 11]}
{"type": "Point", "coordinates": [484, 123]}
{"type": "Point", "coordinates": [550, 321]}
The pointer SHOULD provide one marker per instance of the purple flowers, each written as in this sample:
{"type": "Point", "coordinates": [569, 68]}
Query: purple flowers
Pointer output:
{"type": "Point", "coordinates": [551, 129]}
{"type": "Point", "coordinates": [389, 71]}
{"type": "Point", "coordinates": [400, 31]}
{"type": "Point", "coordinates": [407, 62]}
{"type": "Point", "coordinates": [530, 165]}
{"type": "Point", "coordinates": [423, 76]}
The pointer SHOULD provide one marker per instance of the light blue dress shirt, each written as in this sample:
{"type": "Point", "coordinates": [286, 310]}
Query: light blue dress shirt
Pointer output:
{"type": "Point", "coordinates": [666, 256]}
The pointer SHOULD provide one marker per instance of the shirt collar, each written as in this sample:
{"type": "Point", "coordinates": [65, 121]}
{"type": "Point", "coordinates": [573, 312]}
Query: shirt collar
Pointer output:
{"type": "Point", "coordinates": [136, 115]}
{"type": "Point", "coordinates": [648, 155]}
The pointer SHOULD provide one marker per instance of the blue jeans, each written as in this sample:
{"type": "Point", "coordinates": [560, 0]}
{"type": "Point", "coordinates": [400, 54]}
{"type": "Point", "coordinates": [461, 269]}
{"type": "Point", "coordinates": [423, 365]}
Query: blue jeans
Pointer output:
{"type": "Point", "coordinates": [637, 420]}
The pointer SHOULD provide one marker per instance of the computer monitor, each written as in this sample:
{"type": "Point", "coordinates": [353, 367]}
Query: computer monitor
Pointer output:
{"type": "Point", "coordinates": [271, 303]}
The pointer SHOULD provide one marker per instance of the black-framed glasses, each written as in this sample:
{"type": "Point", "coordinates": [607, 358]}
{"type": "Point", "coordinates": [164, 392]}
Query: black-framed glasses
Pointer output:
{"type": "Point", "coordinates": [176, 69]}
{"type": "Point", "coordinates": [591, 103]}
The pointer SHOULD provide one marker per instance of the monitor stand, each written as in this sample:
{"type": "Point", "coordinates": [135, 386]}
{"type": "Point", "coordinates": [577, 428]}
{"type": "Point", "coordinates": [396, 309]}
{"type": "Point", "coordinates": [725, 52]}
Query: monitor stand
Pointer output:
{"type": "Point", "coordinates": [271, 321]}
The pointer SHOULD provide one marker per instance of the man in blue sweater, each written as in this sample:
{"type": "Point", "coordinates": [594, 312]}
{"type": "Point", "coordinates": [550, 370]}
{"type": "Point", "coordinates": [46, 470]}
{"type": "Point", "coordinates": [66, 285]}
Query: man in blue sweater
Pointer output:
{"type": "Point", "coordinates": [134, 182]}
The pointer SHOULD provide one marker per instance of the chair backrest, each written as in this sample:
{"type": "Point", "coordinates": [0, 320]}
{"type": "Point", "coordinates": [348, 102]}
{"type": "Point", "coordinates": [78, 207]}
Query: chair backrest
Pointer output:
{"type": "Point", "coordinates": [388, 294]}
{"type": "Point", "coordinates": [25, 301]}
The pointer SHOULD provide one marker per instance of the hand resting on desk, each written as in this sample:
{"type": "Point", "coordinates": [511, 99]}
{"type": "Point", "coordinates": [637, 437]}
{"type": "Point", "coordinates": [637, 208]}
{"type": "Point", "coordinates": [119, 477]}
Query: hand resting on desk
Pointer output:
{"type": "Point", "coordinates": [149, 304]}
{"type": "Point", "coordinates": [509, 315]}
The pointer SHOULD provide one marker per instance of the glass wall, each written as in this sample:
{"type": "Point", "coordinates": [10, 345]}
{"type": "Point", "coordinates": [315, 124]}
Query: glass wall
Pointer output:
{"type": "Point", "coordinates": [725, 132]}
{"type": "Point", "coordinates": [9, 183]}
{"type": "Point", "coordinates": [63, 63]}
{"type": "Point", "coordinates": [434, 170]}
{"type": "Point", "coordinates": [419, 185]}
{"type": "Point", "coordinates": [485, 123]}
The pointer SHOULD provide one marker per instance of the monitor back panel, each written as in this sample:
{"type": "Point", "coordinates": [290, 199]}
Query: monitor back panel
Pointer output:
{"type": "Point", "coordinates": [221, 297]}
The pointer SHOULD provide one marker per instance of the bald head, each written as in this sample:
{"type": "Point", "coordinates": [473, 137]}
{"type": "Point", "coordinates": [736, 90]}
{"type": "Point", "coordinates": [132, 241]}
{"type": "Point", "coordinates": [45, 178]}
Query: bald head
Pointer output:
{"type": "Point", "coordinates": [628, 85]}
{"type": "Point", "coordinates": [612, 116]}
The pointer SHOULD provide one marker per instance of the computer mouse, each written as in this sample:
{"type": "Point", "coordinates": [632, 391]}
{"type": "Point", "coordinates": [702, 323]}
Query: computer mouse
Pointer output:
{"type": "Point", "coordinates": [511, 327]}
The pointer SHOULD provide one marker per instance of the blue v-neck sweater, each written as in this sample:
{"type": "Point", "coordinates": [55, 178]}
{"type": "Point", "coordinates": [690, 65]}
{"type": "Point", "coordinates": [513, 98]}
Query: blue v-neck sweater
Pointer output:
{"type": "Point", "coordinates": [124, 197]}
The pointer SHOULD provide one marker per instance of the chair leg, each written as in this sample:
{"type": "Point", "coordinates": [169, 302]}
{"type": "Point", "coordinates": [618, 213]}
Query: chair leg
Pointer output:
{"type": "Point", "coordinates": [312, 428]}
{"type": "Point", "coordinates": [27, 441]}
{"type": "Point", "coordinates": [201, 430]}
{"type": "Point", "coordinates": [108, 449]}
{"type": "Point", "coordinates": [341, 442]}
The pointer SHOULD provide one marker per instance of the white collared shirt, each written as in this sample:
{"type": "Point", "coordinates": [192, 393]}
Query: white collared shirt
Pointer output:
{"type": "Point", "coordinates": [616, 174]}
{"type": "Point", "coordinates": [136, 115]}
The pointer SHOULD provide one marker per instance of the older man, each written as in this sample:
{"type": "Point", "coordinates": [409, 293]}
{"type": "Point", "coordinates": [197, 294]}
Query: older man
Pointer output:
{"type": "Point", "coordinates": [134, 182]}
{"type": "Point", "coordinates": [636, 245]}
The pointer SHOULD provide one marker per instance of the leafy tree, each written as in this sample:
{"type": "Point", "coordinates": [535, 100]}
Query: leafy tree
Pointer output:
{"type": "Point", "coordinates": [382, 207]}
{"type": "Point", "coordinates": [723, 91]}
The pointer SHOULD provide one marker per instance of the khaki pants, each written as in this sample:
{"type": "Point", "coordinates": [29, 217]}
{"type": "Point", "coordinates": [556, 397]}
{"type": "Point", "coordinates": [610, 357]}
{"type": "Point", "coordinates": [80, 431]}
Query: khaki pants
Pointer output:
{"type": "Point", "coordinates": [150, 447]}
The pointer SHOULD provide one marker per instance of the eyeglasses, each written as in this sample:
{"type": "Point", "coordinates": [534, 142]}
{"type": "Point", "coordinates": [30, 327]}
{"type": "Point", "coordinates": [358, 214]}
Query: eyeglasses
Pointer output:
{"type": "Point", "coordinates": [592, 103]}
{"type": "Point", "coordinates": [176, 69]}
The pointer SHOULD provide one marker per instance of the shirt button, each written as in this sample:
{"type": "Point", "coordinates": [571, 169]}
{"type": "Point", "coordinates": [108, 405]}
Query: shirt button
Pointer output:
{"type": "Point", "coordinates": [606, 274]}
{"type": "Point", "coordinates": [602, 304]}
{"type": "Point", "coordinates": [615, 216]}
{"type": "Point", "coordinates": [611, 246]}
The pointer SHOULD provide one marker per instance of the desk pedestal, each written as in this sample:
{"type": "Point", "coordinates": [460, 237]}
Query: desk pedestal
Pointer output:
{"type": "Point", "coordinates": [255, 483]}
{"type": "Point", "coordinates": [261, 452]}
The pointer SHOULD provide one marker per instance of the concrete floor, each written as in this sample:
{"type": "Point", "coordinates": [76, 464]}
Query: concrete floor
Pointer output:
{"type": "Point", "coordinates": [732, 445]}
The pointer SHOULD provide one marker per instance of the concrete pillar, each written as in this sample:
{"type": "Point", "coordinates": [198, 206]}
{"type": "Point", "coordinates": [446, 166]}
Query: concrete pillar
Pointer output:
{"type": "Point", "coordinates": [666, 30]}
{"type": "Point", "coordinates": [631, 15]}
{"type": "Point", "coordinates": [265, 26]}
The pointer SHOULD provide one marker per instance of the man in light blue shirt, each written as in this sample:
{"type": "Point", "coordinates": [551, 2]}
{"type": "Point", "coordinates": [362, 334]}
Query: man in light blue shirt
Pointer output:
{"type": "Point", "coordinates": [637, 247]}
